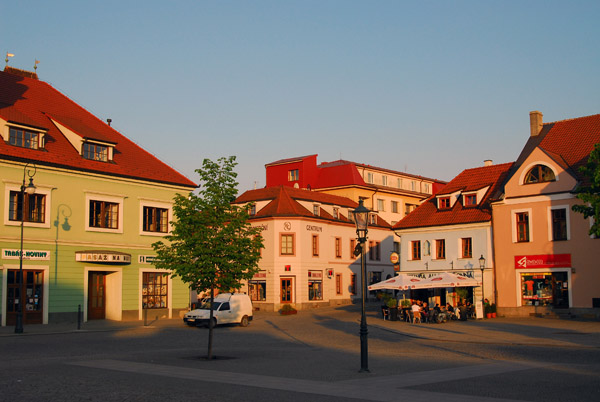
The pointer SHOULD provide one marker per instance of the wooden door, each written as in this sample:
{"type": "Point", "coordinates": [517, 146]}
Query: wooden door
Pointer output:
{"type": "Point", "coordinates": [97, 296]}
{"type": "Point", "coordinates": [29, 294]}
{"type": "Point", "coordinates": [286, 290]}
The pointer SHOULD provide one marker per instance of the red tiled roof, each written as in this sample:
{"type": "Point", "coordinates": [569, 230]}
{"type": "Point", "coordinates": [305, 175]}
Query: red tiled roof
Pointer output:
{"type": "Point", "coordinates": [34, 103]}
{"type": "Point", "coordinates": [427, 214]}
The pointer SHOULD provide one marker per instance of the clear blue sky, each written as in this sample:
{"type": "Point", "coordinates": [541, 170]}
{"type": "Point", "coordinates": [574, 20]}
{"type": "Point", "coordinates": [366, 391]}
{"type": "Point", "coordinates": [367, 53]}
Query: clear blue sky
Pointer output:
{"type": "Point", "coordinates": [427, 87]}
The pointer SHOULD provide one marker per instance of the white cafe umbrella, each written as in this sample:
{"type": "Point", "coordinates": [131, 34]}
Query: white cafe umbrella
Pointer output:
{"type": "Point", "coordinates": [399, 282]}
{"type": "Point", "coordinates": [438, 280]}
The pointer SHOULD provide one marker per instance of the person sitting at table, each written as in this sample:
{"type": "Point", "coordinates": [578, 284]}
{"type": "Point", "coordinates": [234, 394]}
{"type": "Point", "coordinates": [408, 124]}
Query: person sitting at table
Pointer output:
{"type": "Point", "coordinates": [450, 310]}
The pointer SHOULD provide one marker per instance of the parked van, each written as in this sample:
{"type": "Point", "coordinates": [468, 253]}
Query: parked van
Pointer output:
{"type": "Point", "coordinates": [228, 308]}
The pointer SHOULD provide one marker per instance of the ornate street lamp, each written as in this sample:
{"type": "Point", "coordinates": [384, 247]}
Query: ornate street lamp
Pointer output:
{"type": "Point", "coordinates": [361, 218]}
{"type": "Point", "coordinates": [29, 190]}
{"type": "Point", "coordinates": [482, 267]}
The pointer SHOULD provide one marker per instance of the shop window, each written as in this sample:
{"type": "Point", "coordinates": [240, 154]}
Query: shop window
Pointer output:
{"type": "Point", "coordinates": [287, 244]}
{"type": "Point", "coordinates": [315, 285]}
{"type": "Point", "coordinates": [522, 219]}
{"type": "Point", "coordinates": [545, 289]}
{"type": "Point", "coordinates": [257, 290]}
{"type": "Point", "coordinates": [34, 206]}
{"type": "Point", "coordinates": [155, 219]}
{"type": "Point", "coordinates": [467, 247]}
{"type": "Point", "coordinates": [440, 249]}
{"type": "Point", "coordinates": [539, 174]}
{"type": "Point", "coordinates": [154, 290]}
{"type": "Point", "coordinates": [559, 224]}
{"type": "Point", "coordinates": [415, 250]}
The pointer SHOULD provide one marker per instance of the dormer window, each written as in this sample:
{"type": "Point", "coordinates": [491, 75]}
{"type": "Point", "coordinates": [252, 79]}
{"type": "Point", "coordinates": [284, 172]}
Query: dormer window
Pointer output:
{"type": "Point", "coordinates": [539, 174]}
{"type": "Point", "coordinates": [21, 137]}
{"type": "Point", "coordinates": [444, 203]}
{"type": "Point", "coordinates": [97, 151]}
{"type": "Point", "coordinates": [316, 209]}
{"type": "Point", "coordinates": [336, 214]}
{"type": "Point", "coordinates": [470, 200]}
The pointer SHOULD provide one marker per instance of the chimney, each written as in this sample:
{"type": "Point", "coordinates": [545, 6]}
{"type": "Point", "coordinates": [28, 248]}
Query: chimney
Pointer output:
{"type": "Point", "coordinates": [488, 162]}
{"type": "Point", "coordinates": [535, 122]}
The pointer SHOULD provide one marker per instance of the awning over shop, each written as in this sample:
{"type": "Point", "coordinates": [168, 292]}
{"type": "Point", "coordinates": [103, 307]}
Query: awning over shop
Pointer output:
{"type": "Point", "coordinates": [438, 280]}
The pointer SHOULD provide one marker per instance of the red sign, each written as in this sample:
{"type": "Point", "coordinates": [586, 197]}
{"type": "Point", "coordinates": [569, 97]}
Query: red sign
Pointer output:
{"type": "Point", "coordinates": [394, 258]}
{"type": "Point", "coordinates": [542, 261]}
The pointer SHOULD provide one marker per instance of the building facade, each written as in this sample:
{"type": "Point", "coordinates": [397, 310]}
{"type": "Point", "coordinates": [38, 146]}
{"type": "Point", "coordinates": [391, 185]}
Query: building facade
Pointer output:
{"type": "Point", "coordinates": [546, 262]}
{"type": "Point", "coordinates": [452, 232]}
{"type": "Point", "coordinates": [100, 201]}
{"type": "Point", "coordinates": [391, 194]}
{"type": "Point", "coordinates": [308, 257]}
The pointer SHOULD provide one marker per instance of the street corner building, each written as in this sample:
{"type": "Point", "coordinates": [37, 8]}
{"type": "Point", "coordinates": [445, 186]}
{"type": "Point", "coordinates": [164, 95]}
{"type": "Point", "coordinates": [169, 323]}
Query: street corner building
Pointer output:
{"type": "Point", "coordinates": [86, 230]}
{"type": "Point", "coordinates": [308, 259]}
{"type": "Point", "coordinates": [546, 261]}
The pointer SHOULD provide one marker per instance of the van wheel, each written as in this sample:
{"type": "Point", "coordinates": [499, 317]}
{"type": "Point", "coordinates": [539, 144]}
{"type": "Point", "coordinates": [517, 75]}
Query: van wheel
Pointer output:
{"type": "Point", "coordinates": [244, 322]}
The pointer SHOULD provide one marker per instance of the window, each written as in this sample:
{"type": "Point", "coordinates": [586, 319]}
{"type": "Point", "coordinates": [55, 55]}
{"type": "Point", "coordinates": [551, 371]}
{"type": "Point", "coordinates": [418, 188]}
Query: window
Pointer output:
{"type": "Point", "coordinates": [384, 180]}
{"type": "Point", "coordinates": [154, 290]}
{"type": "Point", "coordinates": [316, 210]}
{"type": "Point", "coordinates": [352, 247]}
{"type": "Point", "coordinates": [467, 247]}
{"type": "Point", "coordinates": [395, 207]}
{"type": "Point", "coordinates": [338, 284]}
{"type": "Point", "coordinates": [440, 249]}
{"type": "Point", "coordinates": [539, 174]}
{"type": "Point", "coordinates": [287, 244]}
{"type": "Point", "coordinates": [413, 185]}
{"type": "Point", "coordinates": [23, 138]}
{"type": "Point", "coordinates": [95, 152]}
{"type": "Point", "coordinates": [338, 247]}
{"type": "Point", "coordinates": [380, 205]}
{"type": "Point", "coordinates": [293, 175]}
{"type": "Point", "coordinates": [426, 188]}
{"type": "Point", "coordinates": [375, 250]}
{"type": "Point", "coordinates": [257, 287]}
{"type": "Point", "coordinates": [370, 177]}
{"type": "Point", "coordinates": [103, 214]}
{"type": "Point", "coordinates": [374, 277]}
{"type": "Point", "coordinates": [409, 208]}
{"type": "Point", "coordinates": [315, 245]}
{"type": "Point", "coordinates": [315, 285]}
{"type": "Point", "coordinates": [470, 199]}
{"type": "Point", "coordinates": [34, 206]}
{"type": "Point", "coordinates": [444, 202]}
{"type": "Point", "coordinates": [416, 250]}
{"type": "Point", "coordinates": [396, 247]}
{"type": "Point", "coordinates": [399, 182]}
{"type": "Point", "coordinates": [522, 227]}
{"type": "Point", "coordinates": [372, 219]}
{"type": "Point", "coordinates": [336, 214]}
{"type": "Point", "coordinates": [252, 209]}
{"type": "Point", "coordinates": [156, 219]}
{"type": "Point", "coordinates": [559, 224]}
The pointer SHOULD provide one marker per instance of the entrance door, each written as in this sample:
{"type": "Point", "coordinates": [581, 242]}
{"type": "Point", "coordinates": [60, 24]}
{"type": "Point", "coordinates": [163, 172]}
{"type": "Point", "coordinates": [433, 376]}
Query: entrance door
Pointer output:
{"type": "Point", "coordinates": [97, 296]}
{"type": "Point", "coordinates": [286, 290]}
{"type": "Point", "coordinates": [29, 295]}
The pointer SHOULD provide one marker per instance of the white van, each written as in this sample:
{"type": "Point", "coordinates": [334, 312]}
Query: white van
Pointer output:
{"type": "Point", "coordinates": [228, 308]}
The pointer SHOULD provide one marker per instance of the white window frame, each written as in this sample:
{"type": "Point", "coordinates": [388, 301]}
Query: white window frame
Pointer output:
{"type": "Point", "coordinates": [91, 196]}
{"type": "Point", "coordinates": [169, 290]}
{"type": "Point", "coordinates": [513, 215]}
{"type": "Point", "coordinates": [381, 204]}
{"type": "Point", "coordinates": [13, 186]}
{"type": "Point", "coordinates": [154, 204]}
{"type": "Point", "coordinates": [568, 219]}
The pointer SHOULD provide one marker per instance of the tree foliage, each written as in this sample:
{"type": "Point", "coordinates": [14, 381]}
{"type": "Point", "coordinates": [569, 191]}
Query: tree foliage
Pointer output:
{"type": "Point", "coordinates": [590, 193]}
{"type": "Point", "coordinates": [212, 245]}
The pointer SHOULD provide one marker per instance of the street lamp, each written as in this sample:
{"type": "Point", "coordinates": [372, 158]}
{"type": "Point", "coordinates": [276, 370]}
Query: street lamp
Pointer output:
{"type": "Point", "coordinates": [30, 190]}
{"type": "Point", "coordinates": [361, 218]}
{"type": "Point", "coordinates": [482, 267]}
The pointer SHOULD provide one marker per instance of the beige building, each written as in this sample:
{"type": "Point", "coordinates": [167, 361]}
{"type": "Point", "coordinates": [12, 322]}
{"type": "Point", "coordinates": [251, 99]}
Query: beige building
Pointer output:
{"type": "Point", "coordinates": [546, 262]}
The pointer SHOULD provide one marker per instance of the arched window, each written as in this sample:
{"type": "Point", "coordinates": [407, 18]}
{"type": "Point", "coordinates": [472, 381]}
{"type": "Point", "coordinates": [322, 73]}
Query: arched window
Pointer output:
{"type": "Point", "coordinates": [539, 174]}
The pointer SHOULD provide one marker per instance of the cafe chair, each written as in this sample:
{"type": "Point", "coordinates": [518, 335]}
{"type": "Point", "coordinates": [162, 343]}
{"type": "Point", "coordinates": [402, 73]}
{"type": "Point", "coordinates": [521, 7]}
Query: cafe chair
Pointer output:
{"type": "Point", "coordinates": [386, 313]}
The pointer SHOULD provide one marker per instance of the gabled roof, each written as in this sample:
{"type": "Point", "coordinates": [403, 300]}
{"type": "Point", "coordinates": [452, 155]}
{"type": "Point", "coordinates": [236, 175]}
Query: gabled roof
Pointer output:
{"type": "Point", "coordinates": [284, 202]}
{"type": "Point", "coordinates": [568, 142]}
{"type": "Point", "coordinates": [27, 101]}
{"type": "Point", "coordinates": [427, 214]}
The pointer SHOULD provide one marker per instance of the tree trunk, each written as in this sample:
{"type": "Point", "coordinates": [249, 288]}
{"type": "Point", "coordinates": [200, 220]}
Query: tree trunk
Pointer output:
{"type": "Point", "coordinates": [210, 324]}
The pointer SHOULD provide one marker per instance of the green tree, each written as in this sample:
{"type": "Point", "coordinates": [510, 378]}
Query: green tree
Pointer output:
{"type": "Point", "coordinates": [590, 193]}
{"type": "Point", "coordinates": [212, 245]}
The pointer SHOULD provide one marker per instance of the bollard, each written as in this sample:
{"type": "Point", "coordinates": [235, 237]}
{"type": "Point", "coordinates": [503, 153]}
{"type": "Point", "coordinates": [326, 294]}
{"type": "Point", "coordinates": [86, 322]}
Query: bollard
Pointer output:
{"type": "Point", "coordinates": [79, 317]}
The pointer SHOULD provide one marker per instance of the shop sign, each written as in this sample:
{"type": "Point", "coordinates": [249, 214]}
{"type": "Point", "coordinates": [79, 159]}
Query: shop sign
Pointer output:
{"type": "Point", "coordinates": [35, 255]}
{"type": "Point", "coordinates": [543, 261]}
{"type": "Point", "coordinates": [262, 227]}
{"type": "Point", "coordinates": [146, 259]}
{"type": "Point", "coordinates": [394, 258]}
{"type": "Point", "coordinates": [315, 274]}
{"type": "Point", "coordinates": [103, 257]}
{"type": "Point", "coordinates": [260, 275]}
{"type": "Point", "coordinates": [312, 228]}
